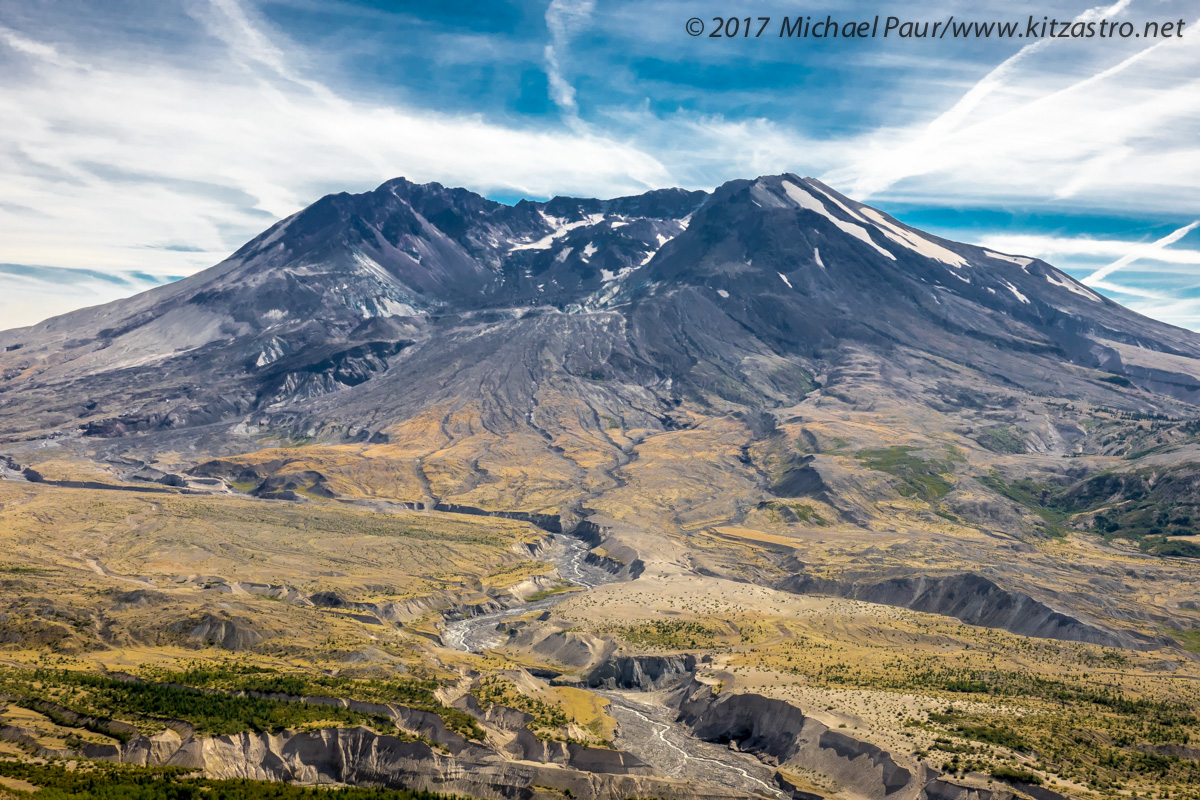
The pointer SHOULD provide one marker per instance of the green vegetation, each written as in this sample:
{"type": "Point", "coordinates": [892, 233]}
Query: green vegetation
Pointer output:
{"type": "Point", "coordinates": [918, 477]}
{"type": "Point", "coordinates": [672, 634]}
{"type": "Point", "coordinates": [553, 590]}
{"type": "Point", "coordinates": [1143, 506]}
{"type": "Point", "coordinates": [1189, 639]}
{"type": "Point", "coordinates": [1082, 729]}
{"type": "Point", "coordinates": [1118, 380]}
{"type": "Point", "coordinates": [412, 693]}
{"type": "Point", "coordinates": [1037, 497]}
{"type": "Point", "coordinates": [1161, 546]}
{"type": "Point", "coordinates": [86, 700]}
{"type": "Point", "coordinates": [1006, 773]}
{"type": "Point", "coordinates": [1002, 439]}
{"type": "Point", "coordinates": [84, 780]}
{"type": "Point", "coordinates": [548, 720]}
{"type": "Point", "coordinates": [22, 569]}
{"type": "Point", "coordinates": [802, 512]}
{"type": "Point", "coordinates": [987, 733]}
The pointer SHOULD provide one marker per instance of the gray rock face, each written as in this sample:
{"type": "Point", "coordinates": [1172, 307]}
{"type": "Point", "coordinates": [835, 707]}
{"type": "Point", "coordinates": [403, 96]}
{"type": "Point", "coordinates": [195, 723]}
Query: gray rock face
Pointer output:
{"type": "Point", "coordinates": [361, 757]}
{"type": "Point", "coordinates": [975, 600]}
{"type": "Point", "coordinates": [781, 732]}
{"type": "Point", "coordinates": [230, 634]}
{"type": "Point", "coordinates": [645, 673]}
{"type": "Point", "coordinates": [409, 296]}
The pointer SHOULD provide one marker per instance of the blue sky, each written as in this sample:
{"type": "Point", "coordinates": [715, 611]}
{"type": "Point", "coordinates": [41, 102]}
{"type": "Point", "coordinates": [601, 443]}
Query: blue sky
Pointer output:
{"type": "Point", "coordinates": [146, 140]}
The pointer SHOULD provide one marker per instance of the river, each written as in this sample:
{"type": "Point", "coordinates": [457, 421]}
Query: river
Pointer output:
{"type": "Point", "coordinates": [648, 731]}
{"type": "Point", "coordinates": [568, 554]}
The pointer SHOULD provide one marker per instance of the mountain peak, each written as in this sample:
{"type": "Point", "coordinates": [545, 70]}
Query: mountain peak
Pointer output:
{"type": "Point", "coordinates": [779, 267]}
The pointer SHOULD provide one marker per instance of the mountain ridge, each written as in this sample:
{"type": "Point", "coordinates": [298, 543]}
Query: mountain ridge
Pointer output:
{"type": "Point", "coordinates": [350, 266]}
{"type": "Point", "coordinates": [738, 295]}
{"type": "Point", "coordinates": [768, 446]}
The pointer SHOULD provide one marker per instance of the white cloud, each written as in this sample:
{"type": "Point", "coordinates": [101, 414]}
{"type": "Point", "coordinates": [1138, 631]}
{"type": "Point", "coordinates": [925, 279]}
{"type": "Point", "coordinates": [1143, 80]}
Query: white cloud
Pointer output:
{"type": "Point", "coordinates": [1172, 271]}
{"type": "Point", "coordinates": [1145, 251]}
{"type": "Point", "coordinates": [109, 160]}
{"type": "Point", "coordinates": [1106, 123]}
{"type": "Point", "coordinates": [564, 19]}
{"type": "Point", "coordinates": [1049, 248]}
{"type": "Point", "coordinates": [102, 161]}
{"type": "Point", "coordinates": [1185, 313]}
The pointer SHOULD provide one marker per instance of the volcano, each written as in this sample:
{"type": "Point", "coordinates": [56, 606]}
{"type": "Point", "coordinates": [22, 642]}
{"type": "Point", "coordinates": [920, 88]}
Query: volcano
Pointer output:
{"type": "Point", "coordinates": [800, 474]}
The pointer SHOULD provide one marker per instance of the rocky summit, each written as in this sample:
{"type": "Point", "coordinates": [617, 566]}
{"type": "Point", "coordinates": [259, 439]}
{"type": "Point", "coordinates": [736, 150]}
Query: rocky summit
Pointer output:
{"type": "Point", "coordinates": [752, 493]}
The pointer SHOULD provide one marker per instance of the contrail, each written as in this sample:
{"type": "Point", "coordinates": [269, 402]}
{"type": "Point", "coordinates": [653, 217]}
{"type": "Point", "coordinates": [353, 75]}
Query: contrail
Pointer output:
{"type": "Point", "coordinates": [1141, 252]}
{"type": "Point", "coordinates": [946, 123]}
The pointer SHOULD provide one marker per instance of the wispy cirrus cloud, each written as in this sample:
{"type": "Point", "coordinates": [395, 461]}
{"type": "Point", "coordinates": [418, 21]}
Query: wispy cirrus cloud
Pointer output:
{"type": "Point", "coordinates": [565, 19]}
{"type": "Point", "coordinates": [1162, 280]}
{"type": "Point", "coordinates": [1036, 127]}
{"type": "Point", "coordinates": [165, 159]}
{"type": "Point", "coordinates": [208, 156]}
{"type": "Point", "coordinates": [33, 293]}
{"type": "Point", "coordinates": [1095, 249]}
{"type": "Point", "coordinates": [1146, 251]}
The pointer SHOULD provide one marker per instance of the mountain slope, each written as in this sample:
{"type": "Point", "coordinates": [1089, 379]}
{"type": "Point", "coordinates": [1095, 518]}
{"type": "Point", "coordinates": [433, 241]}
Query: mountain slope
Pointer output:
{"type": "Point", "coordinates": [819, 470]}
{"type": "Point", "coordinates": [780, 269]}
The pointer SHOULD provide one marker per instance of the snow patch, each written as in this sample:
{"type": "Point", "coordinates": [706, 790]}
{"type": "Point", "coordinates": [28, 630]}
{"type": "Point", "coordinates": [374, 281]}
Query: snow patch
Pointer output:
{"type": "Point", "coordinates": [1072, 286]}
{"type": "Point", "coordinates": [817, 256]}
{"type": "Point", "coordinates": [563, 254]}
{"type": "Point", "coordinates": [271, 352]}
{"type": "Point", "coordinates": [1020, 261]}
{"type": "Point", "coordinates": [394, 308]}
{"type": "Point", "coordinates": [1013, 289]}
{"type": "Point", "coordinates": [810, 203]}
{"type": "Point", "coordinates": [918, 244]}
{"type": "Point", "coordinates": [589, 250]}
{"type": "Point", "coordinates": [783, 278]}
{"type": "Point", "coordinates": [373, 267]}
{"type": "Point", "coordinates": [560, 230]}
{"type": "Point", "coordinates": [849, 212]}
{"type": "Point", "coordinates": [725, 294]}
{"type": "Point", "coordinates": [277, 234]}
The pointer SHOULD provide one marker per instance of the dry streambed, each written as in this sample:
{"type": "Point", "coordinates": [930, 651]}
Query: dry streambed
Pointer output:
{"type": "Point", "coordinates": [568, 554]}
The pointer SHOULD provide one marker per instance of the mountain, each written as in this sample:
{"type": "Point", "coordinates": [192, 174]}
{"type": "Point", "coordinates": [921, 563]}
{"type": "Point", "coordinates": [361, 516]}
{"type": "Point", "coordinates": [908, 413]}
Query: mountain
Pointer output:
{"type": "Point", "coordinates": [670, 288]}
{"type": "Point", "coordinates": [816, 472]}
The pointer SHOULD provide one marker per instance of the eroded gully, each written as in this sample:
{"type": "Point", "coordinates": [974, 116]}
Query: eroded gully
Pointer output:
{"type": "Point", "coordinates": [646, 730]}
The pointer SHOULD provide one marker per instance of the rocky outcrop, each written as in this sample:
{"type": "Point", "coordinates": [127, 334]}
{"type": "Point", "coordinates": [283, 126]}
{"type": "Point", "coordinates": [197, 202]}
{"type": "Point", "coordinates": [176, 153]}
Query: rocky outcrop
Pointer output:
{"type": "Point", "coordinates": [975, 600]}
{"type": "Point", "coordinates": [230, 634]}
{"type": "Point", "coordinates": [572, 648]}
{"type": "Point", "coordinates": [646, 673]}
{"type": "Point", "coordinates": [547, 522]}
{"type": "Point", "coordinates": [616, 559]}
{"type": "Point", "coordinates": [780, 733]}
{"type": "Point", "coordinates": [945, 788]}
{"type": "Point", "coordinates": [526, 746]}
{"type": "Point", "coordinates": [362, 757]}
